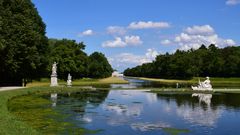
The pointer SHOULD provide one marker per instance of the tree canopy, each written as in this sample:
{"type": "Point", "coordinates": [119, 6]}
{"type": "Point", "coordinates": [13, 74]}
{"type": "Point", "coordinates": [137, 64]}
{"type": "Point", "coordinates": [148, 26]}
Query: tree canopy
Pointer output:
{"type": "Point", "coordinates": [211, 61]}
{"type": "Point", "coordinates": [23, 43]}
{"type": "Point", "coordinates": [72, 59]}
{"type": "Point", "coordinates": [26, 53]}
{"type": "Point", "coordinates": [99, 66]}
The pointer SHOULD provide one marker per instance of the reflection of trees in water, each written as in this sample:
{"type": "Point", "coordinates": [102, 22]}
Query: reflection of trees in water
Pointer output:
{"type": "Point", "coordinates": [228, 100]}
{"type": "Point", "coordinates": [78, 101]}
{"type": "Point", "coordinates": [203, 109]}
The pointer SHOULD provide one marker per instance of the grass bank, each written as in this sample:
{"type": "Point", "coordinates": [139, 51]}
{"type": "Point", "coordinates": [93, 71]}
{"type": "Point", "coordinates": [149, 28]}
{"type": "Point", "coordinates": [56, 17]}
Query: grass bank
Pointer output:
{"type": "Point", "coordinates": [216, 82]}
{"type": "Point", "coordinates": [17, 121]}
{"type": "Point", "coordinates": [81, 82]}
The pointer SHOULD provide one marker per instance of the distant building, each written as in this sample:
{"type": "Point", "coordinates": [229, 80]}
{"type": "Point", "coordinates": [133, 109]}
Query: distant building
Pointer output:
{"type": "Point", "coordinates": [116, 74]}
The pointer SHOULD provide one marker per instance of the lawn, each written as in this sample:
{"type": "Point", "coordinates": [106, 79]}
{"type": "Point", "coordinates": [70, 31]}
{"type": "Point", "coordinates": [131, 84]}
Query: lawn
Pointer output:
{"type": "Point", "coordinates": [81, 82]}
{"type": "Point", "coordinates": [216, 82]}
{"type": "Point", "coordinates": [27, 114]}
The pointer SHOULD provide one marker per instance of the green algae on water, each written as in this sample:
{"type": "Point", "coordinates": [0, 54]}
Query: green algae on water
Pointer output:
{"type": "Point", "coordinates": [36, 111]}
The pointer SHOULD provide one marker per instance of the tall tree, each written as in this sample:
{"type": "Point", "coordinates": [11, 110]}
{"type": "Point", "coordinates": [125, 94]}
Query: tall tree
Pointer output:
{"type": "Point", "coordinates": [204, 61]}
{"type": "Point", "coordinates": [23, 43]}
{"type": "Point", "coordinates": [99, 66]}
{"type": "Point", "coordinates": [70, 58]}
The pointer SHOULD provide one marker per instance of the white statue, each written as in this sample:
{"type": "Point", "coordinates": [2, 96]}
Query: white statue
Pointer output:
{"type": "Point", "coordinates": [54, 68]}
{"type": "Point", "coordinates": [206, 85]}
{"type": "Point", "coordinates": [54, 81]}
{"type": "Point", "coordinates": [69, 81]}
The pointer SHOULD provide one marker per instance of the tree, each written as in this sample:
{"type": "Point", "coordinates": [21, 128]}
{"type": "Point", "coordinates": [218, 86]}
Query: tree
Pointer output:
{"type": "Point", "coordinates": [99, 66]}
{"type": "Point", "coordinates": [70, 58]}
{"type": "Point", "coordinates": [23, 43]}
{"type": "Point", "coordinates": [210, 61]}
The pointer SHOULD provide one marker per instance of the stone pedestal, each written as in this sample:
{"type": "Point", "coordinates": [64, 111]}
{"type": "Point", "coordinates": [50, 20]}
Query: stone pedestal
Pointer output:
{"type": "Point", "coordinates": [54, 81]}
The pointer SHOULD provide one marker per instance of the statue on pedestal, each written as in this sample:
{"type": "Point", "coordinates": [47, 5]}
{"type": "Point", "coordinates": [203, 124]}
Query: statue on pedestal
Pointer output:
{"type": "Point", "coordinates": [69, 81]}
{"type": "Point", "coordinates": [206, 85]}
{"type": "Point", "coordinates": [54, 75]}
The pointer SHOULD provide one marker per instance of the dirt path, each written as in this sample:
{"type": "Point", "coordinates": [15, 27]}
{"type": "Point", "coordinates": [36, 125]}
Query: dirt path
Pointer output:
{"type": "Point", "coordinates": [10, 88]}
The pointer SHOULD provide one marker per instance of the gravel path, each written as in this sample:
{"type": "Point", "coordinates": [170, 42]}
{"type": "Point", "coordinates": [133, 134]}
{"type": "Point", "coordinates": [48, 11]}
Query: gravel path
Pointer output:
{"type": "Point", "coordinates": [10, 88]}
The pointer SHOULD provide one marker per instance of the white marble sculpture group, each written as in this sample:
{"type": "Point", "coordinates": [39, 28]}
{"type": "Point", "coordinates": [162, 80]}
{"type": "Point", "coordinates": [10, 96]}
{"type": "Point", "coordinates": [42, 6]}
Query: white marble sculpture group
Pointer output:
{"type": "Point", "coordinates": [54, 81]}
{"type": "Point", "coordinates": [203, 86]}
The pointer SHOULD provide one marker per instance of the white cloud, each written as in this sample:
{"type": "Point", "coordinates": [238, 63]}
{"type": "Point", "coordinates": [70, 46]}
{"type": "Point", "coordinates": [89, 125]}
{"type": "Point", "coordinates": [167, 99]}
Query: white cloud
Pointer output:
{"type": "Point", "coordinates": [151, 54]}
{"type": "Point", "coordinates": [166, 42]}
{"type": "Point", "coordinates": [116, 30]}
{"type": "Point", "coordinates": [148, 25]}
{"type": "Point", "coordinates": [200, 30]}
{"type": "Point", "coordinates": [125, 60]}
{"type": "Point", "coordinates": [232, 2]}
{"type": "Point", "coordinates": [194, 37]}
{"type": "Point", "coordinates": [87, 33]}
{"type": "Point", "coordinates": [119, 42]}
{"type": "Point", "coordinates": [133, 40]}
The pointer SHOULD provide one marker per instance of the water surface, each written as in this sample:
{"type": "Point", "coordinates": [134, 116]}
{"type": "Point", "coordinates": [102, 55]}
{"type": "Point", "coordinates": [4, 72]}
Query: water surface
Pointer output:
{"type": "Point", "coordinates": [141, 112]}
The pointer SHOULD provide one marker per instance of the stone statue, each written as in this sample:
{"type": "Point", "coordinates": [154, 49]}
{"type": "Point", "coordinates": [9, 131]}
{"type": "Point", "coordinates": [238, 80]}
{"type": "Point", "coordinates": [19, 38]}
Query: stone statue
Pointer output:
{"type": "Point", "coordinates": [54, 75]}
{"type": "Point", "coordinates": [54, 68]}
{"type": "Point", "coordinates": [206, 85]}
{"type": "Point", "coordinates": [69, 81]}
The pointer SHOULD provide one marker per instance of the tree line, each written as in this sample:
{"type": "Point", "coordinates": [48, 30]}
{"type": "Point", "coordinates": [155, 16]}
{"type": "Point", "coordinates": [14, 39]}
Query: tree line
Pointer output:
{"type": "Point", "coordinates": [26, 53]}
{"type": "Point", "coordinates": [205, 61]}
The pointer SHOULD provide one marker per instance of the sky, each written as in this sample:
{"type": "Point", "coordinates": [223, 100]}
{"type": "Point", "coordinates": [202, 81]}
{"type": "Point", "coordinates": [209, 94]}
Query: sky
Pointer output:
{"type": "Point", "coordinates": [133, 32]}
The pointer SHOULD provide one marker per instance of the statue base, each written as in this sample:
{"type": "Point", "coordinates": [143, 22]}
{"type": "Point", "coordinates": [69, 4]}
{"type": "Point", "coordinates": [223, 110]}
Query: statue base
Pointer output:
{"type": "Point", "coordinates": [69, 83]}
{"type": "Point", "coordinates": [54, 81]}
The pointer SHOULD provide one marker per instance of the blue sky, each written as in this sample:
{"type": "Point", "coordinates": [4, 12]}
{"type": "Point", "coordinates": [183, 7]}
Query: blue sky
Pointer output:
{"type": "Point", "coordinates": [132, 32]}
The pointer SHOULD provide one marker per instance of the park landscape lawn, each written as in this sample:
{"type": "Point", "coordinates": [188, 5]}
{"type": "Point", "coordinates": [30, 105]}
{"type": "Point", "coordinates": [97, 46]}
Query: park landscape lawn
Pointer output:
{"type": "Point", "coordinates": [216, 82]}
{"type": "Point", "coordinates": [26, 112]}
{"type": "Point", "coordinates": [81, 82]}
{"type": "Point", "coordinates": [19, 115]}
{"type": "Point", "coordinates": [16, 113]}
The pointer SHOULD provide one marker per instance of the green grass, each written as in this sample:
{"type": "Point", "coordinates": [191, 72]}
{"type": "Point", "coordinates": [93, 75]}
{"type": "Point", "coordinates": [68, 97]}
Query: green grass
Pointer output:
{"type": "Point", "coordinates": [24, 112]}
{"type": "Point", "coordinates": [216, 82]}
{"type": "Point", "coordinates": [81, 82]}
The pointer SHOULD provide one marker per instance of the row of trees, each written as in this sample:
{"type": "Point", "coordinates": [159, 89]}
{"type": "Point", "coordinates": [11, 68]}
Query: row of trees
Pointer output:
{"type": "Point", "coordinates": [211, 61]}
{"type": "Point", "coordinates": [72, 59]}
{"type": "Point", "coordinates": [26, 53]}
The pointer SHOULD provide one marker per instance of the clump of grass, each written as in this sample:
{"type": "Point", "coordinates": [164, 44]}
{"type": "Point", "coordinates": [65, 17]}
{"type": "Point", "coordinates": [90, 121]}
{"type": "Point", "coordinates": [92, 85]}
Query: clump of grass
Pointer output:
{"type": "Point", "coordinates": [36, 112]}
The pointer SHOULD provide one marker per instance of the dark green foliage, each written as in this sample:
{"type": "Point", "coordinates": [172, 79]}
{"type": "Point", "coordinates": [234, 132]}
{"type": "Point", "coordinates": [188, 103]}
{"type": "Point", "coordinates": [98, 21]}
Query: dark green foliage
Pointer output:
{"type": "Point", "coordinates": [210, 61]}
{"type": "Point", "coordinates": [22, 42]}
{"type": "Point", "coordinates": [71, 59]}
{"type": "Point", "coordinates": [26, 53]}
{"type": "Point", "coordinates": [99, 66]}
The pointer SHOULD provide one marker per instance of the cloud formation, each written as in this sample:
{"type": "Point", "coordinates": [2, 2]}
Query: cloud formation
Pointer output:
{"type": "Point", "coordinates": [148, 25]}
{"type": "Point", "coordinates": [195, 36]}
{"type": "Point", "coordinates": [166, 42]}
{"type": "Point", "coordinates": [88, 32]}
{"type": "Point", "coordinates": [200, 30]}
{"type": "Point", "coordinates": [232, 2]}
{"type": "Point", "coordinates": [125, 60]}
{"type": "Point", "coordinates": [119, 42]}
{"type": "Point", "coordinates": [116, 30]}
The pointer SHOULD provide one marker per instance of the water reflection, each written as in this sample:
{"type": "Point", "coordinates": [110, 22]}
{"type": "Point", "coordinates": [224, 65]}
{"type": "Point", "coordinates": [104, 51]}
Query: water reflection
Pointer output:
{"type": "Point", "coordinates": [199, 116]}
{"type": "Point", "coordinates": [145, 126]}
{"type": "Point", "coordinates": [206, 98]}
{"type": "Point", "coordinates": [54, 99]}
{"type": "Point", "coordinates": [141, 112]}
